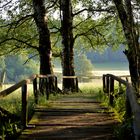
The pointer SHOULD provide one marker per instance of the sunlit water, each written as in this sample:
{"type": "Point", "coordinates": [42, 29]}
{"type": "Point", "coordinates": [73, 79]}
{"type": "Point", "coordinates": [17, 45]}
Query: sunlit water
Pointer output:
{"type": "Point", "coordinates": [116, 68]}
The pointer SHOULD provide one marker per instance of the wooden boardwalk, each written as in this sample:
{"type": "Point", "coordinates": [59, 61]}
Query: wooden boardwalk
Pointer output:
{"type": "Point", "coordinates": [71, 119]}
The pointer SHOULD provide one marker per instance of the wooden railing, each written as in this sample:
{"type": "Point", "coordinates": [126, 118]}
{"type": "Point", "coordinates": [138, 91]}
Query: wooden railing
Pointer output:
{"type": "Point", "coordinates": [24, 91]}
{"type": "Point", "coordinates": [132, 105]}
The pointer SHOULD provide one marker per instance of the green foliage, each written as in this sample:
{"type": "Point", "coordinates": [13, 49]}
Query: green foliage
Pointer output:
{"type": "Point", "coordinates": [124, 128]}
{"type": "Point", "coordinates": [7, 127]}
{"type": "Point", "coordinates": [83, 66]}
{"type": "Point", "coordinates": [16, 70]}
{"type": "Point", "coordinates": [94, 29]}
{"type": "Point", "coordinates": [124, 131]}
{"type": "Point", "coordinates": [10, 128]}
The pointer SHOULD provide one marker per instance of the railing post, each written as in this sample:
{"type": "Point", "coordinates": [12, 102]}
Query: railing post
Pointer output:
{"type": "Point", "coordinates": [77, 90]}
{"type": "Point", "coordinates": [55, 83]}
{"type": "Point", "coordinates": [128, 108]}
{"type": "Point", "coordinates": [104, 83]}
{"type": "Point", "coordinates": [41, 85]}
{"type": "Point", "coordinates": [47, 82]}
{"type": "Point", "coordinates": [24, 115]}
{"type": "Point", "coordinates": [111, 92]}
{"type": "Point", "coordinates": [35, 90]}
{"type": "Point", "coordinates": [107, 84]}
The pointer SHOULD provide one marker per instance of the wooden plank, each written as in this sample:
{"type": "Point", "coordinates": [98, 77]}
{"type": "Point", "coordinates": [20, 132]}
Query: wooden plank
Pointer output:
{"type": "Point", "coordinates": [45, 76]}
{"type": "Point", "coordinates": [70, 121]}
{"type": "Point", "coordinates": [111, 96]}
{"type": "Point", "coordinates": [118, 79]}
{"type": "Point", "coordinates": [69, 77]}
{"type": "Point", "coordinates": [35, 90]}
{"type": "Point", "coordinates": [12, 88]}
{"type": "Point", "coordinates": [135, 108]}
{"type": "Point", "coordinates": [16, 86]}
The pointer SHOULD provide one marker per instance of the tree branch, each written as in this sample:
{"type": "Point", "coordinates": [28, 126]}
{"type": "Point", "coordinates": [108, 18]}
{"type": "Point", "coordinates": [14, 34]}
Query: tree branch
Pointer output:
{"type": "Point", "coordinates": [56, 41]}
{"type": "Point", "coordinates": [93, 10]}
{"type": "Point", "coordinates": [83, 33]}
{"type": "Point", "coordinates": [90, 41]}
{"type": "Point", "coordinates": [18, 21]}
{"type": "Point", "coordinates": [77, 13]}
{"type": "Point", "coordinates": [6, 4]}
{"type": "Point", "coordinates": [81, 22]}
{"type": "Point", "coordinates": [54, 3]}
{"type": "Point", "coordinates": [18, 40]}
{"type": "Point", "coordinates": [11, 50]}
{"type": "Point", "coordinates": [54, 27]}
{"type": "Point", "coordinates": [30, 58]}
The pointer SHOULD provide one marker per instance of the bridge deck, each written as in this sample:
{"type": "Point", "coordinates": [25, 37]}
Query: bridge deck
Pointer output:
{"type": "Point", "coordinates": [71, 119]}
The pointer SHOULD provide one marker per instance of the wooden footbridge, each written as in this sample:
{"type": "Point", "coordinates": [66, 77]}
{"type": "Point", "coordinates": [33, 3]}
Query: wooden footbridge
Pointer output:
{"type": "Point", "coordinates": [70, 118]}
{"type": "Point", "coordinates": [74, 117]}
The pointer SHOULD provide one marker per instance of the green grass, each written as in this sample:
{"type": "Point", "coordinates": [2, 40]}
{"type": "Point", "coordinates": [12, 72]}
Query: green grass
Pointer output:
{"type": "Point", "coordinates": [12, 103]}
{"type": "Point", "coordinates": [124, 128]}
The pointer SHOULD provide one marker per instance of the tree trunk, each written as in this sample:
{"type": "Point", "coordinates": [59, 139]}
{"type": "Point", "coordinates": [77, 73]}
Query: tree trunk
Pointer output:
{"type": "Point", "coordinates": [68, 45]}
{"type": "Point", "coordinates": [40, 18]}
{"type": "Point", "coordinates": [131, 35]}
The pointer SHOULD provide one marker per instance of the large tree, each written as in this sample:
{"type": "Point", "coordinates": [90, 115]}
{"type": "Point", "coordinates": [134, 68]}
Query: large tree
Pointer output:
{"type": "Point", "coordinates": [68, 44]}
{"type": "Point", "coordinates": [127, 11]}
{"type": "Point", "coordinates": [22, 33]}
{"type": "Point", "coordinates": [78, 25]}
{"type": "Point", "coordinates": [24, 27]}
{"type": "Point", "coordinates": [40, 17]}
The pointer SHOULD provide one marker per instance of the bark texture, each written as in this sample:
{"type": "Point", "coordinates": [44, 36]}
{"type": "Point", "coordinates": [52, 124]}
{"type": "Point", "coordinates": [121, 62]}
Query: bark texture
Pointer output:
{"type": "Point", "coordinates": [44, 49]}
{"type": "Point", "coordinates": [68, 45]}
{"type": "Point", "coordinates": [40, 18]}
{"type": "Point", "coordinates": [125, 13]}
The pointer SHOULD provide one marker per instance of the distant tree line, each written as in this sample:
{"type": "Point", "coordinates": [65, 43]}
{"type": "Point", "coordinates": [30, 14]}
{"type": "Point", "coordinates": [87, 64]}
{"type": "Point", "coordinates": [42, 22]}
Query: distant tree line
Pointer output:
{"type": "Point", "coordinates": [15, 69]}
{"type": "Point", "coordinates": [109, 55]}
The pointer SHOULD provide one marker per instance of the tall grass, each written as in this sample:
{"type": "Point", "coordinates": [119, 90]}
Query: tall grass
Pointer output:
{"type": "Point", "coordinates": [9, 127]}
{"type": "Point", "coordinates": [123, 130]}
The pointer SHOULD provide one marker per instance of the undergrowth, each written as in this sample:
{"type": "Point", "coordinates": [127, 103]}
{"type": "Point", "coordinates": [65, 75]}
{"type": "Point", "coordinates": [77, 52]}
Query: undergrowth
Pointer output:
{"type": "Point", "coordinates": [122, 131]}
{"type": "Point", "coordinates": [10, 126]}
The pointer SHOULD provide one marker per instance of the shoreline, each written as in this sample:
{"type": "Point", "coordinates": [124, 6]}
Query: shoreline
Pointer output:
{"type": "Point", "coordinates": [114, 72]}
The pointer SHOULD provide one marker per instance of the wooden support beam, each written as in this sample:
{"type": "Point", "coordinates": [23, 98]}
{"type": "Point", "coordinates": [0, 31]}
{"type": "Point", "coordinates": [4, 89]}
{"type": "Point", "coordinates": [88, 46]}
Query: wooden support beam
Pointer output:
{"type": "Point", "coordinates": [35, 90]}
{"type": "Point", "coordinates": [111, 92]}
{"type": "Point", "coordinates": [24, 112]}
{"type": "Point", "coordinates": [77, 87]}
{"type": "Point", "coordinates": [104, 83]}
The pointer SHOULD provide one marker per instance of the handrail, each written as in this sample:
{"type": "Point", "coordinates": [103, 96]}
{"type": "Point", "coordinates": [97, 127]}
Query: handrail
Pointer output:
{"type": "Point", "coordinates": [19, 84]}
{"type": "Point", "coordinates": [12, 88]}
{"type": "Point", "coordinates": [132, 106]}
{"type": "Point", "coordinates": [118, 79]}
{"type": "Point", "coordinates": [23, 85]}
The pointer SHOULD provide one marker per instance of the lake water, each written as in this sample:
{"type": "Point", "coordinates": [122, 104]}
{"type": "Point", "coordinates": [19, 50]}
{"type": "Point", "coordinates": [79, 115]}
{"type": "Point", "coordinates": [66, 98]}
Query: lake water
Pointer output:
{"type": "Point", "coordinates": [111, 66]}
{"type": "Point", "coordinates": [116, 68]}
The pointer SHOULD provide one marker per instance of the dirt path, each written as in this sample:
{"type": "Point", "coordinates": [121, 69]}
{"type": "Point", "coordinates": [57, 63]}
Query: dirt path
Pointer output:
{"type": "Point", "coordinates": [71, 118]}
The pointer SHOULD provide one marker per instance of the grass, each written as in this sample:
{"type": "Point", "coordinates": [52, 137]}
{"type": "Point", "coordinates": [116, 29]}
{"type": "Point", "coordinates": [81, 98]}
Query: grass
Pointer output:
{"type": "Point", "coordinates": [9, 127]}
{"type": "Point", "coordinates": [124, 128]}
